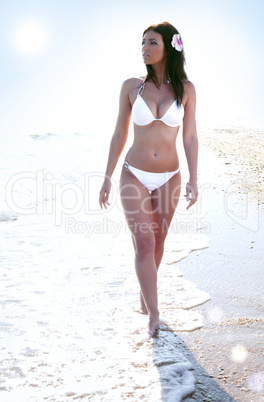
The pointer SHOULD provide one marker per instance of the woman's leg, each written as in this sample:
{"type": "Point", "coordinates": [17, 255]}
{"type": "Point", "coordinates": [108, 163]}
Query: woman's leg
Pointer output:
{"type": "Point", "coordinates": [136, 201]}
{"type": "Point", "coordinates": [164, 202]}
{"type": "Point", "coordinates": [143, 307]}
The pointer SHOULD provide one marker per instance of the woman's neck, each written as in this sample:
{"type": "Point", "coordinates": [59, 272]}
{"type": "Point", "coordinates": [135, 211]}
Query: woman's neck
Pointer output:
{"type": "Point", "coordinates": [160, 74]}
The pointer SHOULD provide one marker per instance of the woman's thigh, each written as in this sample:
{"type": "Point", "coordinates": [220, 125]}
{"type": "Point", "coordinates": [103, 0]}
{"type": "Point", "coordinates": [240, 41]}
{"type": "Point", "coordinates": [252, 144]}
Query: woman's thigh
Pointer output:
{"type": "Point", "coordinates": [137, 205]}
{"type": "Point", "coordinates": [164, 202]}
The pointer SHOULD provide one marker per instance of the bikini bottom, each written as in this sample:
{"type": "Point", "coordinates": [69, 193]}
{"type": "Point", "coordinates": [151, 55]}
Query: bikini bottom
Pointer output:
{"type": "Point", "coordinates": [150, 180]}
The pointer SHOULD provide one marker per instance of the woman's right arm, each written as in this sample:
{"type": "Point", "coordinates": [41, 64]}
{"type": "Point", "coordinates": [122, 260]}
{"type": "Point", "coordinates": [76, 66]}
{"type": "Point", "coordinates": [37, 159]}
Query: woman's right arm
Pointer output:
{"type": "Point", "coordinates": [118, 141]}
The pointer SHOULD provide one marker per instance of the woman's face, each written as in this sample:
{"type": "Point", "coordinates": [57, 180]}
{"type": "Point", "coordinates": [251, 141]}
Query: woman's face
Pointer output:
{"type": "Point", "coordinates": [153, 51]}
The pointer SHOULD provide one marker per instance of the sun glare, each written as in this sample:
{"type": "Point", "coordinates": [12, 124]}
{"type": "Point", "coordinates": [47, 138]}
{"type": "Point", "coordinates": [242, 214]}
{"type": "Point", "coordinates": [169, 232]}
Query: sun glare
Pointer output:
{"type": "Point", "coordinates": [30, 38]}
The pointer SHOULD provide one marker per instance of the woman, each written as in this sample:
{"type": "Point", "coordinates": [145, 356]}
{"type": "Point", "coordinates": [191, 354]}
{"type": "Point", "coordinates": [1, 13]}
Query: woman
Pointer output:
{"type": "Point", "coordinates": [150, 179]}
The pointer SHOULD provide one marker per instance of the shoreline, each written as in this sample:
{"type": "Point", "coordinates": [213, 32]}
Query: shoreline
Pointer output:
{"type": "Point", "coordinates": [230, 344]}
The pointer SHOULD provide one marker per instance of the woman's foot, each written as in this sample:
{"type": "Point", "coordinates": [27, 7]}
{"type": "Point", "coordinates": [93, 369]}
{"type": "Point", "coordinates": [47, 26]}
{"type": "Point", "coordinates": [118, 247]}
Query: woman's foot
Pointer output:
{"type": "Point", "coordinates": [154, 323]}
{"type": "Point", "coordinates": [143, 307]}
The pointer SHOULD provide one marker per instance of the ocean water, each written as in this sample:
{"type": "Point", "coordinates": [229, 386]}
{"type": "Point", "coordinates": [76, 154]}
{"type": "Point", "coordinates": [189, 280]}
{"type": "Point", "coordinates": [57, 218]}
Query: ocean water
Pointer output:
{"type": "Point", "coordinates": [70, 327]}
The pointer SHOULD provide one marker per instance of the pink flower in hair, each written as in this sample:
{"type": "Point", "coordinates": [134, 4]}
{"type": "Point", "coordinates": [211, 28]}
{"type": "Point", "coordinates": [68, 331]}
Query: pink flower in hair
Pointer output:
{"type": "Point", "coordinates": [177, 42]}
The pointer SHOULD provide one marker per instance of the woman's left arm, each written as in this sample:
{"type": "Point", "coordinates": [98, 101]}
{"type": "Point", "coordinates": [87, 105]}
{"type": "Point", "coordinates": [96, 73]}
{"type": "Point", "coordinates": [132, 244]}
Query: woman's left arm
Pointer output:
{"type": "Point", "coordinates": [190, 142]}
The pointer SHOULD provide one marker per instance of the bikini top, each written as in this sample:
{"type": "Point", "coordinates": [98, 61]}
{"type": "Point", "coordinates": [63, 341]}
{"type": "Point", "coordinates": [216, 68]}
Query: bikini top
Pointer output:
{"type": "Point", "coordinates": [142, 115]}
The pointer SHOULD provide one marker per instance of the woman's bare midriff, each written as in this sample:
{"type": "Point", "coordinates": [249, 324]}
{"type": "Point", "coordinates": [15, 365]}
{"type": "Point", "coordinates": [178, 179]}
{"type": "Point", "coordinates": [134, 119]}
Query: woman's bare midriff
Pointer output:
{"type": "Point", "coordinates": [154, 148]}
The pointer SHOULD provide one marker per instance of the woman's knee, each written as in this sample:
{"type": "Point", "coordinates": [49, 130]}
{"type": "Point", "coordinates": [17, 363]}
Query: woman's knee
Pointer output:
{"type": "Point", "coordinates": [159, 241]}
{"type": "Point", "coordinates": [144, 245]}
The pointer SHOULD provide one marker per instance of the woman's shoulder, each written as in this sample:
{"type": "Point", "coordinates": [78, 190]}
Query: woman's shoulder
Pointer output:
{"type": "Point", "coordinates": [130, 87]}
{"type": "Point", "coordinates": [188, 84]}
{"type": "Point", "coordinates": [189, 88]}
{"type": "Point", "coordinates": [132, 83]}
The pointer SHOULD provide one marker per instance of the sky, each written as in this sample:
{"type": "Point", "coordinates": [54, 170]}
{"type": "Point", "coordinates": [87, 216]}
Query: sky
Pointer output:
{"type": "Point", "coordinates": [62, 62]}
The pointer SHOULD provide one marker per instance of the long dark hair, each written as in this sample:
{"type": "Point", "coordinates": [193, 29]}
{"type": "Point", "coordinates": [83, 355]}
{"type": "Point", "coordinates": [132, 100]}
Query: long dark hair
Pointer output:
{"type": "Point", "coordinates": [174, 61]}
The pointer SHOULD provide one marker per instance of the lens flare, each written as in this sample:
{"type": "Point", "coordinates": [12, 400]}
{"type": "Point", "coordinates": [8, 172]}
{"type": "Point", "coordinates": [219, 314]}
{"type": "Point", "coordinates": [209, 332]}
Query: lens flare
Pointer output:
{"type": "Point", "coordinates": [256, 382]}
{"type": "Point", "coordinates": [30, 38]}
{"type": "Point", "coordinates": [239, 354]}
{"type": "Point", "coordinates": [215, 314]}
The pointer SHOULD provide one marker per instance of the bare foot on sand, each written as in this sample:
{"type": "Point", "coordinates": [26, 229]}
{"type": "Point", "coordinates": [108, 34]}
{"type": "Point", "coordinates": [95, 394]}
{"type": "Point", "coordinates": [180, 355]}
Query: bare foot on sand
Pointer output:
{"type": "Point", "coordinates": [143, 307]}
{"type": "Point", "coordinates": [154, 323]}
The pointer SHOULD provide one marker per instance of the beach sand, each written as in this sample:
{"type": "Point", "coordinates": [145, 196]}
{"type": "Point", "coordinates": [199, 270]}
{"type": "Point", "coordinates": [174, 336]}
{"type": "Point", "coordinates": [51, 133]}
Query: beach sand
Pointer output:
{"type": "Point", "coordinates": [230, 346]}
{"type": "Point", "coordinates": [70, 327]}
{"type": "Point", "coordinates": [243, 149]}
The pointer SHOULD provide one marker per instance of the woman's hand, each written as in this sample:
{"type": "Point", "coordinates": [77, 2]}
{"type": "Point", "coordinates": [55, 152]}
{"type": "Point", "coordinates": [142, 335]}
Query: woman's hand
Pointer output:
{"type": "Point", "coordinates": [104, 193]}
{"type": "Point", "coordinates": [191, 193]}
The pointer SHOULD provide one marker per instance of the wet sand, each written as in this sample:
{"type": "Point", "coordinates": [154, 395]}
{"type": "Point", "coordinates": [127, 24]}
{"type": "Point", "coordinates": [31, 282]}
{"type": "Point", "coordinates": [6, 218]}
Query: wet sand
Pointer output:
{"type": "Point", "coordinates": [230, 346]}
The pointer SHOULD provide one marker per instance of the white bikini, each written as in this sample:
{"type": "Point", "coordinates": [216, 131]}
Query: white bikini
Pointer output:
{"type": "Point", "coordinates": [142, 116]}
